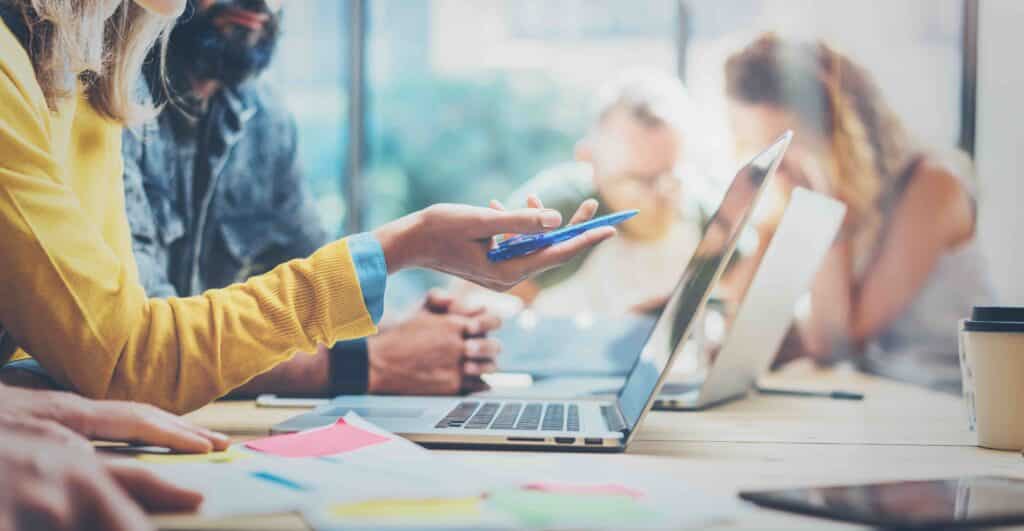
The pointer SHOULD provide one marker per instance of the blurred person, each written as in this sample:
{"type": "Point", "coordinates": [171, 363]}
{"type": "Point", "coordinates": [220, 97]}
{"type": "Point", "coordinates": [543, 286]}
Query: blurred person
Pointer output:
{"type": "Point", "coordinates": [51, 477]}
{"type": "Point", "coordinates": [215, 194]}
{"type": "Point", "coordinates": [632, 158]}
{"type": "Point", "coordinates": [906, 266]}
{"type": "Point", "coordinates": [71, 296]}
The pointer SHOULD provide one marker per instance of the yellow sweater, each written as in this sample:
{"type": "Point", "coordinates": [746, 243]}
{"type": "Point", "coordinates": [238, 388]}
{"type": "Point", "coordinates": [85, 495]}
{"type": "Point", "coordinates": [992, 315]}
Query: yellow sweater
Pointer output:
{"type": "Point", "coordinates": [69, 289]}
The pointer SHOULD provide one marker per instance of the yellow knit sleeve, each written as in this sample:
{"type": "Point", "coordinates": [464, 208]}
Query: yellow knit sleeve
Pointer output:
{"type": "Point", "coordinates": [71, 298]}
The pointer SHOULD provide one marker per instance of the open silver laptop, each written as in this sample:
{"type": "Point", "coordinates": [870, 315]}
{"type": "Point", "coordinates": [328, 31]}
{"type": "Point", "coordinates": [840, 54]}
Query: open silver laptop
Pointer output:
{"type": "Point", "coordinates": [753, 334]}
{"type": "Point", "coordinates": [579, 424]}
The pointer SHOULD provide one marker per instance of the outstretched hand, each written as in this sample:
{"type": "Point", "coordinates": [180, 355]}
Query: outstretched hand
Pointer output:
{"type": "Point", "coordinates": [455, 239]}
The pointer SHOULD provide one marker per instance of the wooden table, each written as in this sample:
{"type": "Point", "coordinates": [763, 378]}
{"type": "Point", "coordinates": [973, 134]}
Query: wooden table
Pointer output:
{"type": "Point", "coordinates": [897, 432]}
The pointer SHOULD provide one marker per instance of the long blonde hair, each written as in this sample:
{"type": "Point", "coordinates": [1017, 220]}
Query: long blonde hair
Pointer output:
{"type": "Point", "coordinates": [71, 42]}
{"type": "Point", "coordinates": [868, 145]}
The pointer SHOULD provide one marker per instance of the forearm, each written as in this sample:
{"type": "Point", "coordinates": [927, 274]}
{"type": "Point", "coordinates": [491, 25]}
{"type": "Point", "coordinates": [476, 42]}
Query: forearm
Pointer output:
{"type": "Point", "coordinates": [303, 375]}
{"type": "Point", "coordinates": [225, 337]}
{"type": "Point", "coordinates": [398, 243]}
{"type": "Point", "coordinates": [180, 354]}
{"type": "Point", "coordinates": [825, 326]}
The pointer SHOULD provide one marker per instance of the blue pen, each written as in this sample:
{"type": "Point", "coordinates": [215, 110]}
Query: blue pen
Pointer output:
{"type": "Point", "coordinates": [530, 243]}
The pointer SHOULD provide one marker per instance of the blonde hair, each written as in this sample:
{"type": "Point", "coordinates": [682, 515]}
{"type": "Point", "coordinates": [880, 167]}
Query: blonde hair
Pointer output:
{"type": "Point", "coordinates": [72, 42]}
{"type": "Point", "coordinates": [650, 96]}
{"type": "Point", "coordinates": [868, 146]}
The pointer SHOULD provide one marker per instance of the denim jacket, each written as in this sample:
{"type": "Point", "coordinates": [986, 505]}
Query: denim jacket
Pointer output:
{"type": "Point", "coordinates": [257, 211]}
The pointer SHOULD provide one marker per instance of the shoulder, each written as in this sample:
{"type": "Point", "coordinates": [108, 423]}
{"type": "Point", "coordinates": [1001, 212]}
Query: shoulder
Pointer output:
{"type": "Point", "coordinates": [941, 188]}
{"type": "Point", "coordinates": [21, 97]}
{"type": "Point", "coordinates": [941, 180]}
{"type": "Point", "coordinates": [562, 187]}
{"type": "Point", "coordinates": [270, 105]}
{"type": "Point", "coordinates": [567, 184]}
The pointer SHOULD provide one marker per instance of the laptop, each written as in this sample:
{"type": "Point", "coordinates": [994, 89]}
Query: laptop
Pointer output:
{"type": "Point", "coordinates": [766, 308]}
{"type": "Point", "coordinates": [595, 425]}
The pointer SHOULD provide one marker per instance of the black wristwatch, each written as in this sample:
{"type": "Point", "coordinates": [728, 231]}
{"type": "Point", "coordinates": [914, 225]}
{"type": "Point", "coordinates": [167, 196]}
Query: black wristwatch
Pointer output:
{"type": "Point", "coordinates": [349, 363]}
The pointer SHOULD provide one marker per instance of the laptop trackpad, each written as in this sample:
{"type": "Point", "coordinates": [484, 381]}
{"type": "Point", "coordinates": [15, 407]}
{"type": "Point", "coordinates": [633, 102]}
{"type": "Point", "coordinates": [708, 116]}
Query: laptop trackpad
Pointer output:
{"type": "Point", "coordinates": [376, 412]}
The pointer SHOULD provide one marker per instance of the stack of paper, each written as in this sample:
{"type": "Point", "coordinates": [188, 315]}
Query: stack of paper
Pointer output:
{"type": "Point", "coordinates": [354, 475]}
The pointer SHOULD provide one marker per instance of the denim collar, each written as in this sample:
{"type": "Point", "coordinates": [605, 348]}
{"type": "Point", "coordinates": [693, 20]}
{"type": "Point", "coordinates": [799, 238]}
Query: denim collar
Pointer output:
{"type": "Point", "coordinates": [234, 107]}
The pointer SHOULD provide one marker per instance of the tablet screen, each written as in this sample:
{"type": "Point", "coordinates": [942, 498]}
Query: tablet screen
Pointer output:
{"type": "Point", "coordinates": [961, 502]}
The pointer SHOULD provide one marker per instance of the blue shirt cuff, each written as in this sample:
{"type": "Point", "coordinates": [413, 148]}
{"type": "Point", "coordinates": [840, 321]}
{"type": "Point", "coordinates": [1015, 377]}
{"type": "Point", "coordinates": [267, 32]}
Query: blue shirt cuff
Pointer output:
{"type": "Point", "coordinates": [372, 271]}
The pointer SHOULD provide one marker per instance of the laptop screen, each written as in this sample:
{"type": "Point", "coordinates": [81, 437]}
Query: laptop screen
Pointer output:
{"type": "Point", "coordinates": [695, 284]}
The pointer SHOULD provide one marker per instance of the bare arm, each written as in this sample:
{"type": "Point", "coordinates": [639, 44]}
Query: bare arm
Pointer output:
{"type": "Point", "coordinates": [934, 216]}
{"type": "Point", "coordinates": [828, 322]}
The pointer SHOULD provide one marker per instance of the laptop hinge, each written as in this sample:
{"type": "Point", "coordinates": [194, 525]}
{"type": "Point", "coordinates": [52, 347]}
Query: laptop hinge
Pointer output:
{"type": "Point", "coordinates": [613, 418]}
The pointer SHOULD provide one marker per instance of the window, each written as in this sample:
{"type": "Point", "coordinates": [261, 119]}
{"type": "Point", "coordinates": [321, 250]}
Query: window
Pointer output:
{"type": "Point", "coordinates": [470, 99]}
{"type": "Point", "coordinates": [467, 100]}
{"type": "Point", "coordinates": [913, 48]}
{"type": "Point", "coordinates": [310, 72]}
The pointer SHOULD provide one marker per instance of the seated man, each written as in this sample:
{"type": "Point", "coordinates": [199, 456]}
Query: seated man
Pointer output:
{"type": "Point", "coordinates": [75, 489]}
{"type": "Point", "coordinates": [215, 194]}
{"type": "Point", "coordinates": [631, 159]}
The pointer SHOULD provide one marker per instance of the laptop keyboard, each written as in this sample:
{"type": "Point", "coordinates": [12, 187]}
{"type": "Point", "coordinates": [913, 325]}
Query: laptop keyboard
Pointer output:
{"type": "Point", "coordinates": [513, 416]}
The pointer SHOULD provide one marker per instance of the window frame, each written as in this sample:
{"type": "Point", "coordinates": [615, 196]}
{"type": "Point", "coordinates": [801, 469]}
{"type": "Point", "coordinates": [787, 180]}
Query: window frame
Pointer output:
{"type": "Point", "coordinates": [356, 20]}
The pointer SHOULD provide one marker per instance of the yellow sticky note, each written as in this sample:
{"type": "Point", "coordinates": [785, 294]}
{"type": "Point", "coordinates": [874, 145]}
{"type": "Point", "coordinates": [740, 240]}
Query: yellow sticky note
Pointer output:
{"type": "Point", "coordinates": [422, 508]}
{"type": "Point", "coordinates": [226, 456]}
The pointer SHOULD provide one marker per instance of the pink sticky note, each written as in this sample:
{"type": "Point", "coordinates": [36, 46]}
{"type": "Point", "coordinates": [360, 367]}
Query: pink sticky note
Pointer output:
{"type": "Point", "coordinates": [337, 438]}
{"type": "Point", "coordinates": [607, 489]}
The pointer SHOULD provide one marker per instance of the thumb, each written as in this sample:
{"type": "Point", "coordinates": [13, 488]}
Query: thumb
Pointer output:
{"type": "Point", "coordinates": [153, 492]}
{"type": "Point", "coordinates": [525, 220]}
{"type": "Point", "coordinates": [438, 300]}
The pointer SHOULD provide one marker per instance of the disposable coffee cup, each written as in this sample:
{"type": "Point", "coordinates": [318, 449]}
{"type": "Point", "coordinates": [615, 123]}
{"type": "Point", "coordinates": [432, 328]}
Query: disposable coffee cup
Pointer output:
{"type": "Point", "coordinates": [992, 365]}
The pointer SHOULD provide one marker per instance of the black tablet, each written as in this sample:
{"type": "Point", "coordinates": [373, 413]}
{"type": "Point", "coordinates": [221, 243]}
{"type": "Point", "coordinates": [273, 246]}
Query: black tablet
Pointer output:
{"type": "Point", "coordinates": [960, 503]}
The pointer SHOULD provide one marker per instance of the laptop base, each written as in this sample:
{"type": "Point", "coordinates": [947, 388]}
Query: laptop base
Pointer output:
{"type": "Point", "coordinates": [691, 402]}
{"type": "Point", "coordinates": [511, 447]}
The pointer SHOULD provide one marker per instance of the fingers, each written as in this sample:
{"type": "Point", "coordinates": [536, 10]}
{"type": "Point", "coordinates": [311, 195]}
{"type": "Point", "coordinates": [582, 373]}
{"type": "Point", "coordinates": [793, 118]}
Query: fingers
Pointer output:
{"type": "Point", "coordinates": [585, 212]}
{"type": "Point", "coordinates": [559, 253]}
{"type": "Point", "coordinates": [152, 492]}
{"type": "Point", "coordinates": [486, 322]}
{"type": "Point", "coordinates": [462, 307]}
{"type": "Point", "coordinates": [439, 300]}
{"type": "Point", "coordinates": [142, 423]}
{"type": "Point", "coordinates": [103, 505]}
{"type": "Point", "coordinates": [473, 384]}
{"type": "Point", "coordinates": [481, 350]}
{"type": "Point", "coordinates": [532, 201]}
{"type": "Point", "coordinates": [219, 440]}
{"type": "Point", "coordinates": [473, 326]}
{"type": "Point", "coordinates": [489, 322]}
{"type": "Point", "coordinates": [526, 220]}
{"type": "Point", "coordinates": [479, 368]}
{"type": "Point", "coordinates": [480, 356]}
{"type": "Point", "coordinates": [43, 506]}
